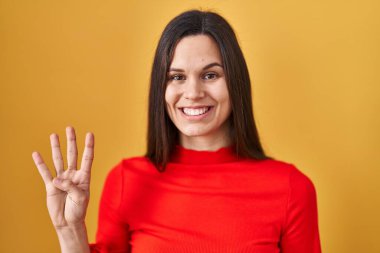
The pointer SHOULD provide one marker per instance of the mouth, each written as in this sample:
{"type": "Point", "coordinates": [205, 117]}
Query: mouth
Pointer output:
{"type": "Point", "coordinates": [196, 113]}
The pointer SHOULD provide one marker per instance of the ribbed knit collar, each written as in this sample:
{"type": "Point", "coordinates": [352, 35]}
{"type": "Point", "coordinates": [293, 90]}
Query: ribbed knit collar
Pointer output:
{"type": "Point", "coordinates": [190, 156]}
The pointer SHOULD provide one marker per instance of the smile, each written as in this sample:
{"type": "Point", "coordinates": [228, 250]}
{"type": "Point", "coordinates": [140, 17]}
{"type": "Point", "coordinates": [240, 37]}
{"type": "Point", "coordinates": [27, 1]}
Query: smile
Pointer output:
{"type": "Point", "coordinates": [196, 113]}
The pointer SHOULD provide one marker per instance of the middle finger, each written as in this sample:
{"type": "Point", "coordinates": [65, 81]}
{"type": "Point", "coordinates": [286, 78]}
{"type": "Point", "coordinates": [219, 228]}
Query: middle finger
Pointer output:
{"type": "Point", "coordinates": [56, 153]}
{"type": "Point", "coordinates": [72, 152]}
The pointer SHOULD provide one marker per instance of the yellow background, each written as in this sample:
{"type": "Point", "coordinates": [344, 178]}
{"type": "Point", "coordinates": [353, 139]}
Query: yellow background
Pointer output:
{"type": "Point", "coordinates": [315, 72]}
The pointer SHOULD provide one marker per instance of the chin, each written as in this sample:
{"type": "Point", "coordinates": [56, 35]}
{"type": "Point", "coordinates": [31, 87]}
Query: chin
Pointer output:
{"type": "Point", "coordinates": [194, 131]}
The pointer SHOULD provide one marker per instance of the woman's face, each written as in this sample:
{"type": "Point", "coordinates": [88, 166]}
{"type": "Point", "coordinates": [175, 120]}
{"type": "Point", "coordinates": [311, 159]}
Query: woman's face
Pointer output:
{"type": "Point", "coordinates": [196, 95]}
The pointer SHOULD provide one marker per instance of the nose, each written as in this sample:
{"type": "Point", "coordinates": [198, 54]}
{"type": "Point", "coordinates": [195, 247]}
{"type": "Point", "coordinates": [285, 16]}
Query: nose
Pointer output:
{"type": "Point", "coordinates": [193, 89]}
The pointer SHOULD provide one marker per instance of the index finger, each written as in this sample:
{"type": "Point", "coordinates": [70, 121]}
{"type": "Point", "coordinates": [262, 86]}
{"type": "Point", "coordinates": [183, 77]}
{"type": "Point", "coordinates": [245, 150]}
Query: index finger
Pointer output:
{"type": "Point", "coordinates": [88, 154]}
{"type": "Point", "coordinates": [42, 168]}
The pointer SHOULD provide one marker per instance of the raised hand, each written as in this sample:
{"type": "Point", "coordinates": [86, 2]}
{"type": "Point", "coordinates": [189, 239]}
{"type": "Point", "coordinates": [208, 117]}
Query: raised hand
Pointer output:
{"type": "Point", "coordinates": [68, 194]}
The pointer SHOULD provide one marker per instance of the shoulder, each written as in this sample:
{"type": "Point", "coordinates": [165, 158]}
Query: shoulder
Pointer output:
{"type": "Point", "coordinates": [132, 165]}
{"type": "Point", "coordinates": [297, 179]}
{"type": "Point", "coordinates": [287, 172]}
{"type": "Point", "coordinates": [129, 173]}
{"type": "Point", "coordinates": [135, 161]}
{"type": "Point", "coordinates": [273, 167]}
{"type": "Point", "coordinates": [299, 185]}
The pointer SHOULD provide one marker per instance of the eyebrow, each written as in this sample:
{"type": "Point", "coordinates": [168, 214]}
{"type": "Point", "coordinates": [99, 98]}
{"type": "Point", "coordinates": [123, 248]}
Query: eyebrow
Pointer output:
{"type": "Point", "coordinates": [204, 68]}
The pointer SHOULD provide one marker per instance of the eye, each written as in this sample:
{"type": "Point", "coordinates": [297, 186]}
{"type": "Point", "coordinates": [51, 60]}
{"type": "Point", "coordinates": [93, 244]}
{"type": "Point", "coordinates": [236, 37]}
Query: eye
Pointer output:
{"type": "Point", "coordinates": [177, 77]}
{"type": "Point", "coordinates": [209, 76]}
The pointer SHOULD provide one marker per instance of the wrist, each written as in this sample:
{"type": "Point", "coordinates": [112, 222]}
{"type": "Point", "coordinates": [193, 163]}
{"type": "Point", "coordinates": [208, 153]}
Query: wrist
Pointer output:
{"type": "Point", "coordinates": [73, 238]}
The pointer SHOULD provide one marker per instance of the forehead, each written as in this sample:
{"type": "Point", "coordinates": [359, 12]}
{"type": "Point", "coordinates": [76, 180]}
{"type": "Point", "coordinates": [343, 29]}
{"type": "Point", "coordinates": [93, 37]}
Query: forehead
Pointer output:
{"type": "Point", "coordinates": [196, 49]}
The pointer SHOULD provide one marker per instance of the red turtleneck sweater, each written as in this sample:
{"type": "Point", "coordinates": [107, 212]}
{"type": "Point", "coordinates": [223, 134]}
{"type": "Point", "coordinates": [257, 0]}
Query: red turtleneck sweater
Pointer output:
{"type": "Point", "coordinates": [207, 201]}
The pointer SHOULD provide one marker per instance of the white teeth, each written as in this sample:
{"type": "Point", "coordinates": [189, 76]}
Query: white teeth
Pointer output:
{"type": "Point", "coordinates": [195, 112]}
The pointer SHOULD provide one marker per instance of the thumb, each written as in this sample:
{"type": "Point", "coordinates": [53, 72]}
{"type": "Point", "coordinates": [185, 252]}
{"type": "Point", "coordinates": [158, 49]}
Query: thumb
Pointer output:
{"type": "Point", "coordinates": [69, 187]}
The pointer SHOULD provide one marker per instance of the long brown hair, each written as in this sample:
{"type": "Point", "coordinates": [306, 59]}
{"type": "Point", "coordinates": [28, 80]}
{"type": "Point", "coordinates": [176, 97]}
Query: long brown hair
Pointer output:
{"type": "Point", "coordinates": [162, 133]}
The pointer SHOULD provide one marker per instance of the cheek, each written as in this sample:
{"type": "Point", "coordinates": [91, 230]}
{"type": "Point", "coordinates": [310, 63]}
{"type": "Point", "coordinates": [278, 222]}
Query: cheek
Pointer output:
{"type": "Point", "coordinates": [170, 99]}
{"type": "Point", "coordinates": [222, 95]}
{"type": "Point", "coordinates": [224, 99]}
{"type": "Point", "coordinates": [168, 96]}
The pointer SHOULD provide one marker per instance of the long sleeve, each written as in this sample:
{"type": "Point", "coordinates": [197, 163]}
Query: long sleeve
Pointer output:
{"type": "Point", "coordinates": [112, 233]}
{"type": "Point", "coordinates": [207, 201]}
{"type": "Point", "coordinates": [301, 233]}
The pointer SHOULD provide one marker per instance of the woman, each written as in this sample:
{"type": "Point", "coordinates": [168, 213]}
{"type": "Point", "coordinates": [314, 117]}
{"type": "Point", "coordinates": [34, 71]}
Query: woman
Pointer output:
{"type": "Point", "coordinates": [205, 183]}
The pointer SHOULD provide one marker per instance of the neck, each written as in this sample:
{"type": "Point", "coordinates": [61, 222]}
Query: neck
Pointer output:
{"type": "Point", "coordinates": [210, 142]}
